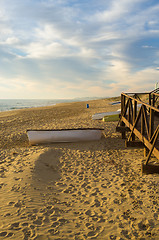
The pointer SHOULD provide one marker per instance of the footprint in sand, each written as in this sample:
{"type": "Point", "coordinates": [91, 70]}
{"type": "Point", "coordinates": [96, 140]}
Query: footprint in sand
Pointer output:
{"type": "Point", "coordinates": [55, 224]}
{"type": "Point", "coordinates": [88, 212]}
{"type": "Point", "coordinates": [11, 203]}
{"type": "Point", "coordinates": [25, 224]}
{"type": "Point", "coordinates": [38, 221]}
{"type": "Point", "coordinates": [3, 234]}
{"type": "Point", "coordinates": [7, 215]}
{"type": "Point", "coordinates": [62, 221]}
{"type": "Point", "coordinates": [96, 203]}
{"type": "Point", "coordinates": [104, 185]}
{"type": "Point", "coordinates": [17, 178]}
{"type": "Point", "coordinates": [1, 185]}
{"type": "Point", "coordinates": [15, 226]}
{"type": "Point", "coordinates": [90, 226]}
{"type": "Point", "coordinates": [113, 237]}
{"type": "Point", "coordinates": [93, 234]}
{"type": "Point", "coordinates": [3, 169]}
{"type": "Point", "coordinates": [53, 231]}
{"type": "Point", "coordinates": [28, 233]}
{"type": "Point", "coordinates": [125, 233]}
{"type": "Point", "coordinates": [19, 204]}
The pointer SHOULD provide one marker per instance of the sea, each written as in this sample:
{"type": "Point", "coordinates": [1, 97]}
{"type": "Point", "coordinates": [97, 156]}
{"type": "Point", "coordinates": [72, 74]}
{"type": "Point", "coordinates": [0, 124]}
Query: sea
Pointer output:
{"type": "Point", "coordinates": [14, 104]}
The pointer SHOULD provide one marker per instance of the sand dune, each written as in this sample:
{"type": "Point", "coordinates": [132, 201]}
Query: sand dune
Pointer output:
{"type": "Point", "coordinates": [86, 190]}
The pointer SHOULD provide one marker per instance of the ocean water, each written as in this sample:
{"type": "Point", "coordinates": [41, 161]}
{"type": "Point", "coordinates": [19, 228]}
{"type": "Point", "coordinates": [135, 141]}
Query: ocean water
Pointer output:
{"type": "Point", "coordinates": [13, 104]}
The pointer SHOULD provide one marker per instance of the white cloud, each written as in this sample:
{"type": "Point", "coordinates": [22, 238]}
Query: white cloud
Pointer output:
{"type": "Point", "coordinates": [146, 46]}
{"type": "Point", "coordinates": [39, 50]}
{"type": "Point", "coordinates": [81, 49]}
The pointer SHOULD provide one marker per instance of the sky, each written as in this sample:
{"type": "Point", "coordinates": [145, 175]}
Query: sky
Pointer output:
{"type": "Point", "coordinates": [53, 49]}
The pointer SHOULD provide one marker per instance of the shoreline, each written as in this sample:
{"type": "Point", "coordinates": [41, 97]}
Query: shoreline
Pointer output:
{"type": "Point", "coordinates": [85, 190]}
{"type": "Point", "coordinates": [37, 102]}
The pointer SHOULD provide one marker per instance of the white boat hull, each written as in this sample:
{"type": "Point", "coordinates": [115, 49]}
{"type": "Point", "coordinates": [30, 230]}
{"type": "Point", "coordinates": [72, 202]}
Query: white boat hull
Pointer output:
{"type": "Point", "coordinates": [68, 135]}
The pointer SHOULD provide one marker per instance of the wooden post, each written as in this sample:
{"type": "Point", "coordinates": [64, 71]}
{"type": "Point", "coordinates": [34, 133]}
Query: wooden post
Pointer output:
{"type": "Point", "coordinates": [134, 117]}
{"type": "Point", "coordinates": [149, 98]}
{"type": "Point", "coordinates": [153, 100]}
{"type": "Point", "coordinates": [122, 103]}
{"type": "Point", "coordinates": [146, 151]}
{"type": "Point", "coordinates": [152, 147]}
{"type": "Point", "coordinates": [142, 121]}
{"type": "Point", "coordinates": [151, 123]}
{"type": "Point", "coordinates": [122, 111]}
{"type": "Point", "coordinates": [129, 111]}
{"type": "Point", "coordinates": [149, 168]}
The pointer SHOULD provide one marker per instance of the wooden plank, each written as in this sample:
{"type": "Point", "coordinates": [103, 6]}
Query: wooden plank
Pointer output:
{"type": "Point", "coordinates": [149, 98]}
{"type": "Point", "coordinates": [141, 138]}
{"type": "Point", "coordinates": [134, 144]}
{"type": "Point", "coordinates": [156, 94]}
{"type": "Point", "coordinates": [134, 118]}
{"type": "Point", "coordinates": [153, 145]}
{"type": "Point", "coordinates": [122, 113]}
{"type": "Point", "coordinates": [138, 101]}
{"type": "Point", "coordinates": [142, 120]}
{"type": "Point", "coordinates": [134, 124]}
{"type": "Point", "coordinates": [150, 168]}
{"type": "Point", "coordinates": [146, 151]}
{"type": "Point", "coordinates": [143, 93]}
{"type": "Point", "coordinates": [151, 123]}
{"type": "Point", "coordinates": [146, 122]}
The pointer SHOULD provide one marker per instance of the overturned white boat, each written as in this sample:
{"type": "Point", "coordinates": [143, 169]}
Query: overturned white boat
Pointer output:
{"type": "Point", "coordinates": [63, 135]}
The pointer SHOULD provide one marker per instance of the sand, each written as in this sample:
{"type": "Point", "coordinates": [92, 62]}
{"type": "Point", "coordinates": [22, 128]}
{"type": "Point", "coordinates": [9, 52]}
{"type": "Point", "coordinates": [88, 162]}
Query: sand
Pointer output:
{"type": "Point", "coordinates": [86, 190]}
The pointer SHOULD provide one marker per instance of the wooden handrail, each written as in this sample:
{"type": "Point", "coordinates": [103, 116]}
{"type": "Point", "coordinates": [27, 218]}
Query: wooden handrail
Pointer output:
{"type": "Point", "coordinates": [156, 94]}
{"type": "Point", "coordinates": [155, 90]}
{"type": "Point", "coordinates": [140, 122]}
{"type": "Point", "coordinates": [139, 93]}
{"type": "Point", "coordinates": [141, 102]}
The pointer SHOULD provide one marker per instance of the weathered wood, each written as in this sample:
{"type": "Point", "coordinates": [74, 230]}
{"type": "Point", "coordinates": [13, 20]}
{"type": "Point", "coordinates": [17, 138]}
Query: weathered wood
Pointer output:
{"type": "Point", "coordinates": [150, 168]}
{"type": "Point", "coordinates": [139, 93]}
{"type": "Point", "coordinates": [122, 103]}
{"type": "Point", "coordinates": [146, 121]}
{"type": "Point", "coordinates": [153, 136]}
{"type": "Point", "coordinates": [142, 121]}
{"type": "Point", "coordinates": [137, 144]}
{"type": "Point", "coordinates": [140, 102]}
{"type": "Point", "coordinates": [134, 118]}
{"type": "Point", "coordinates": [122, 113]}
{"type": "Point", "coordinates": [156, 94]}
{"type": "Point", "coordinates": [142, 138]}
{"type": "Point", "coordinates": [141, 124]}
{"type": "Point", "coordinates": [153, 145]}
{"type": "Point", "coordinates": [151, 124]}
{"type": "Point", "coordinates": [149, 98]}
{"type": "Point", "coordinates": [146, 151]}
{"type": "Point", "coordinates": [134, 124]}
{"type": "Point", "coordinates": [153, 100]}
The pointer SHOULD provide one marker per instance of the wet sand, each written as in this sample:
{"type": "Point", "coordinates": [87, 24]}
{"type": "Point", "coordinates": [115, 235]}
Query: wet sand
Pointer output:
{"type": "Point", "coordinates": [85, 190]}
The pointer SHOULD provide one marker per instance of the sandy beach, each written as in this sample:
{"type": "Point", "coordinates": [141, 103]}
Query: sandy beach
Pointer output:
{"type": "Point", "coordinates": [85, 190]}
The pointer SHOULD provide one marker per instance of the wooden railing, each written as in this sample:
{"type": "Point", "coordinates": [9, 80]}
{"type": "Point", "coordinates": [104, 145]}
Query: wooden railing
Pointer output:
{"type": "Point", "coordinates": [153, 100]}
{"type": "Point", "coordinates": [141, 120]}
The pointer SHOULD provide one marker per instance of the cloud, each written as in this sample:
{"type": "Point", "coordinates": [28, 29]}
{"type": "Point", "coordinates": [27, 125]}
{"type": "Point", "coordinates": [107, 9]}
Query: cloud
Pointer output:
{"type": "Point", "coordinates": [80, 49]}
